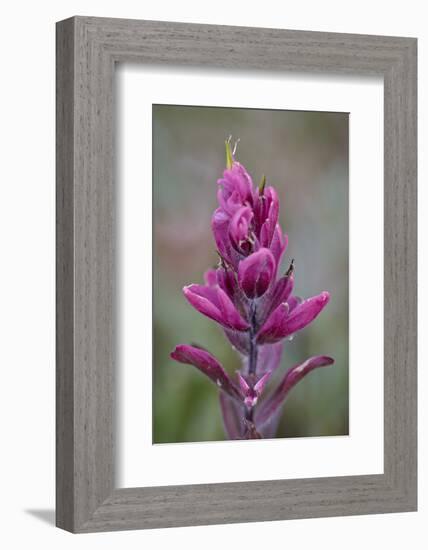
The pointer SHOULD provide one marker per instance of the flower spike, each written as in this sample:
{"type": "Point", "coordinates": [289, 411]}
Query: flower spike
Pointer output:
{"type": "Point", "coordinates": [255, 307]}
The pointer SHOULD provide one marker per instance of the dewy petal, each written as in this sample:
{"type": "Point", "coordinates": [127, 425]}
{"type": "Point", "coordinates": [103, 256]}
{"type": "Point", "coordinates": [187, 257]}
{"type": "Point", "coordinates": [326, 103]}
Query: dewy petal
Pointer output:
{"type": "Point", "coordinates": [273, 203]}
{"type": "Point", "coordinates": [293, 375]}
{"type": "Point", "coordinates": [273, 329]}
{"type": "Point", "coordinates": [255, 273]}
{"type": "Point", "coordinates": [207, 364]}
{"type": "Point", "coordinates": [239, 340]}
{"type": "Point", "coordinates": [306, 312]}
{"type": "Point", "coordinates": [232, 413]}
{"type": "Point", "coordinates": [282, 323]}
{"type": "Point", "coordinates": [214, 303]}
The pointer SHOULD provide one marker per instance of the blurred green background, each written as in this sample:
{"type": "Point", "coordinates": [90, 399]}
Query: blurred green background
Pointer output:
{"type": "Point", "coordinates": [305, 156]}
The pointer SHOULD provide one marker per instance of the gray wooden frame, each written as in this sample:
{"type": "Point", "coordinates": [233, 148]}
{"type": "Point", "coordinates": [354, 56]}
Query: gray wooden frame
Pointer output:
{"type": "Point", "coordinates": [87, 50]}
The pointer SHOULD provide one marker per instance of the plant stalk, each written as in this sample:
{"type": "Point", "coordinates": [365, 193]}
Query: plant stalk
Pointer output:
{"type": "Point", "coordinates": [252, 359]}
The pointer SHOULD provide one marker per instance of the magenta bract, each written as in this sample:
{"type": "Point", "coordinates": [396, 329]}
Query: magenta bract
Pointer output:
{"type": "Point", "coordinates": [256, 273]}
{"type": "Point", "coordinates": [255, 307]}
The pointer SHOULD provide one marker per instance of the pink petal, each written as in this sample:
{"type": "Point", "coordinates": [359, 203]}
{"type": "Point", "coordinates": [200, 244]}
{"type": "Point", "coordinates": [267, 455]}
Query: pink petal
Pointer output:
{"type": "Point", "coordinates": [291, 378]}
{"type": "Point", "coordinates": [282, 323]}
{"type": "Point", "coordinates": [256, 272]}
{"type": "Point", "coordinates": [204, 299]}
{"type": "Point", "coordinates": [243, 383]}
{"type": "Point", "coordinates": [236, 180]}
{"type": "Point", "coordinates": [273, 329]}
{"type": "Point", "coordinates": [207, 364]}
{"type": "Point", "coordinates": [261, 383]}
{"type": "Point", "coordinates": [239, 226]}
{"type": "Point", "coordinates": [220, 227]}
{"type": "Point", "coordinates": [278, 244]}
{"type": "Point", "coordinates": [226, 280]}
{"type": "Point", "coordinates": [251, 393]}
{"type": "Point", "coordinates": [306, 312]}
{"type": "Point", "coordinates": [230, 203]}
{"type": "Point", "coordinates": [276, 295]}
{"type": "Point", "coordinates": [214, 303]}
{"type": "Point", "coordinates": [230, 314]}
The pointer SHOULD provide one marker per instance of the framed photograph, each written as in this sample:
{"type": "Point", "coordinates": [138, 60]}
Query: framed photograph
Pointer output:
{"type": "Point", "coordinates": [236, 274]}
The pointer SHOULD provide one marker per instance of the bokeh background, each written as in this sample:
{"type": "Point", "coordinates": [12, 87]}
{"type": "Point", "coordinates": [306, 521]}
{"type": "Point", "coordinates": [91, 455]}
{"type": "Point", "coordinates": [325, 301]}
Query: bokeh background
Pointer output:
{"type": "Point", "coordinates": [305, 156]}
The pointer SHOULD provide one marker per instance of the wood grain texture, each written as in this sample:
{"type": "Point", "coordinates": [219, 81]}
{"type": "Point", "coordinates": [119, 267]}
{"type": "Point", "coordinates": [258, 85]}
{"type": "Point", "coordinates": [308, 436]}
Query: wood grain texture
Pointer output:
{"type": "Point", "coordinates": [87, 50]}
{"type": "Point", "coordinates": [64, 277]}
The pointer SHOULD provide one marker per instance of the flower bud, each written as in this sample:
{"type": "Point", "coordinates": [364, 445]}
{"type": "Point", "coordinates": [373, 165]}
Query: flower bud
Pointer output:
{"type": "Point", "coordinates": [256, 273]}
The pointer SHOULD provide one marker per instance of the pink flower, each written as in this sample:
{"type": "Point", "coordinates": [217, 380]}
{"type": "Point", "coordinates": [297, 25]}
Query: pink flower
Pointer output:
{"type": "Point", "coordinates": [213, 302]}
{"type": "Point", "coordinates": [286, 320]}
{"type": "Point", "coordinates": [240, 234]}
{"type": "Point", "coordinates": [255, 307]}
{"type": "Point", "coordinates": [207, 364]}
{"type": "Point", "coordinates": [293, 375]}
{"type": "Point", "coordinates": [256, 273]}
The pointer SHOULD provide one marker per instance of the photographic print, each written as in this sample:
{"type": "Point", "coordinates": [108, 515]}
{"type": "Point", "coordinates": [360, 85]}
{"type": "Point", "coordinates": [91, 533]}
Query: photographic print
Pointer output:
{"type": "Point", "coordinates": [250, 271]}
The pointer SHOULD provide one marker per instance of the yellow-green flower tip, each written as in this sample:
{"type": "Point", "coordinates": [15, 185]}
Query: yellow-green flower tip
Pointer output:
{"type": "Point", "coordinates": [229, 156]}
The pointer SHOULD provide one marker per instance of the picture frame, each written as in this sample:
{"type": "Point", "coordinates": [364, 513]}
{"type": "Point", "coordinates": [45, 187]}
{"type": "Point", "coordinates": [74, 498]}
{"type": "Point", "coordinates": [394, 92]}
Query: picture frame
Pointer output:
{"type": "Point", "coordinates": [87, 50]}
